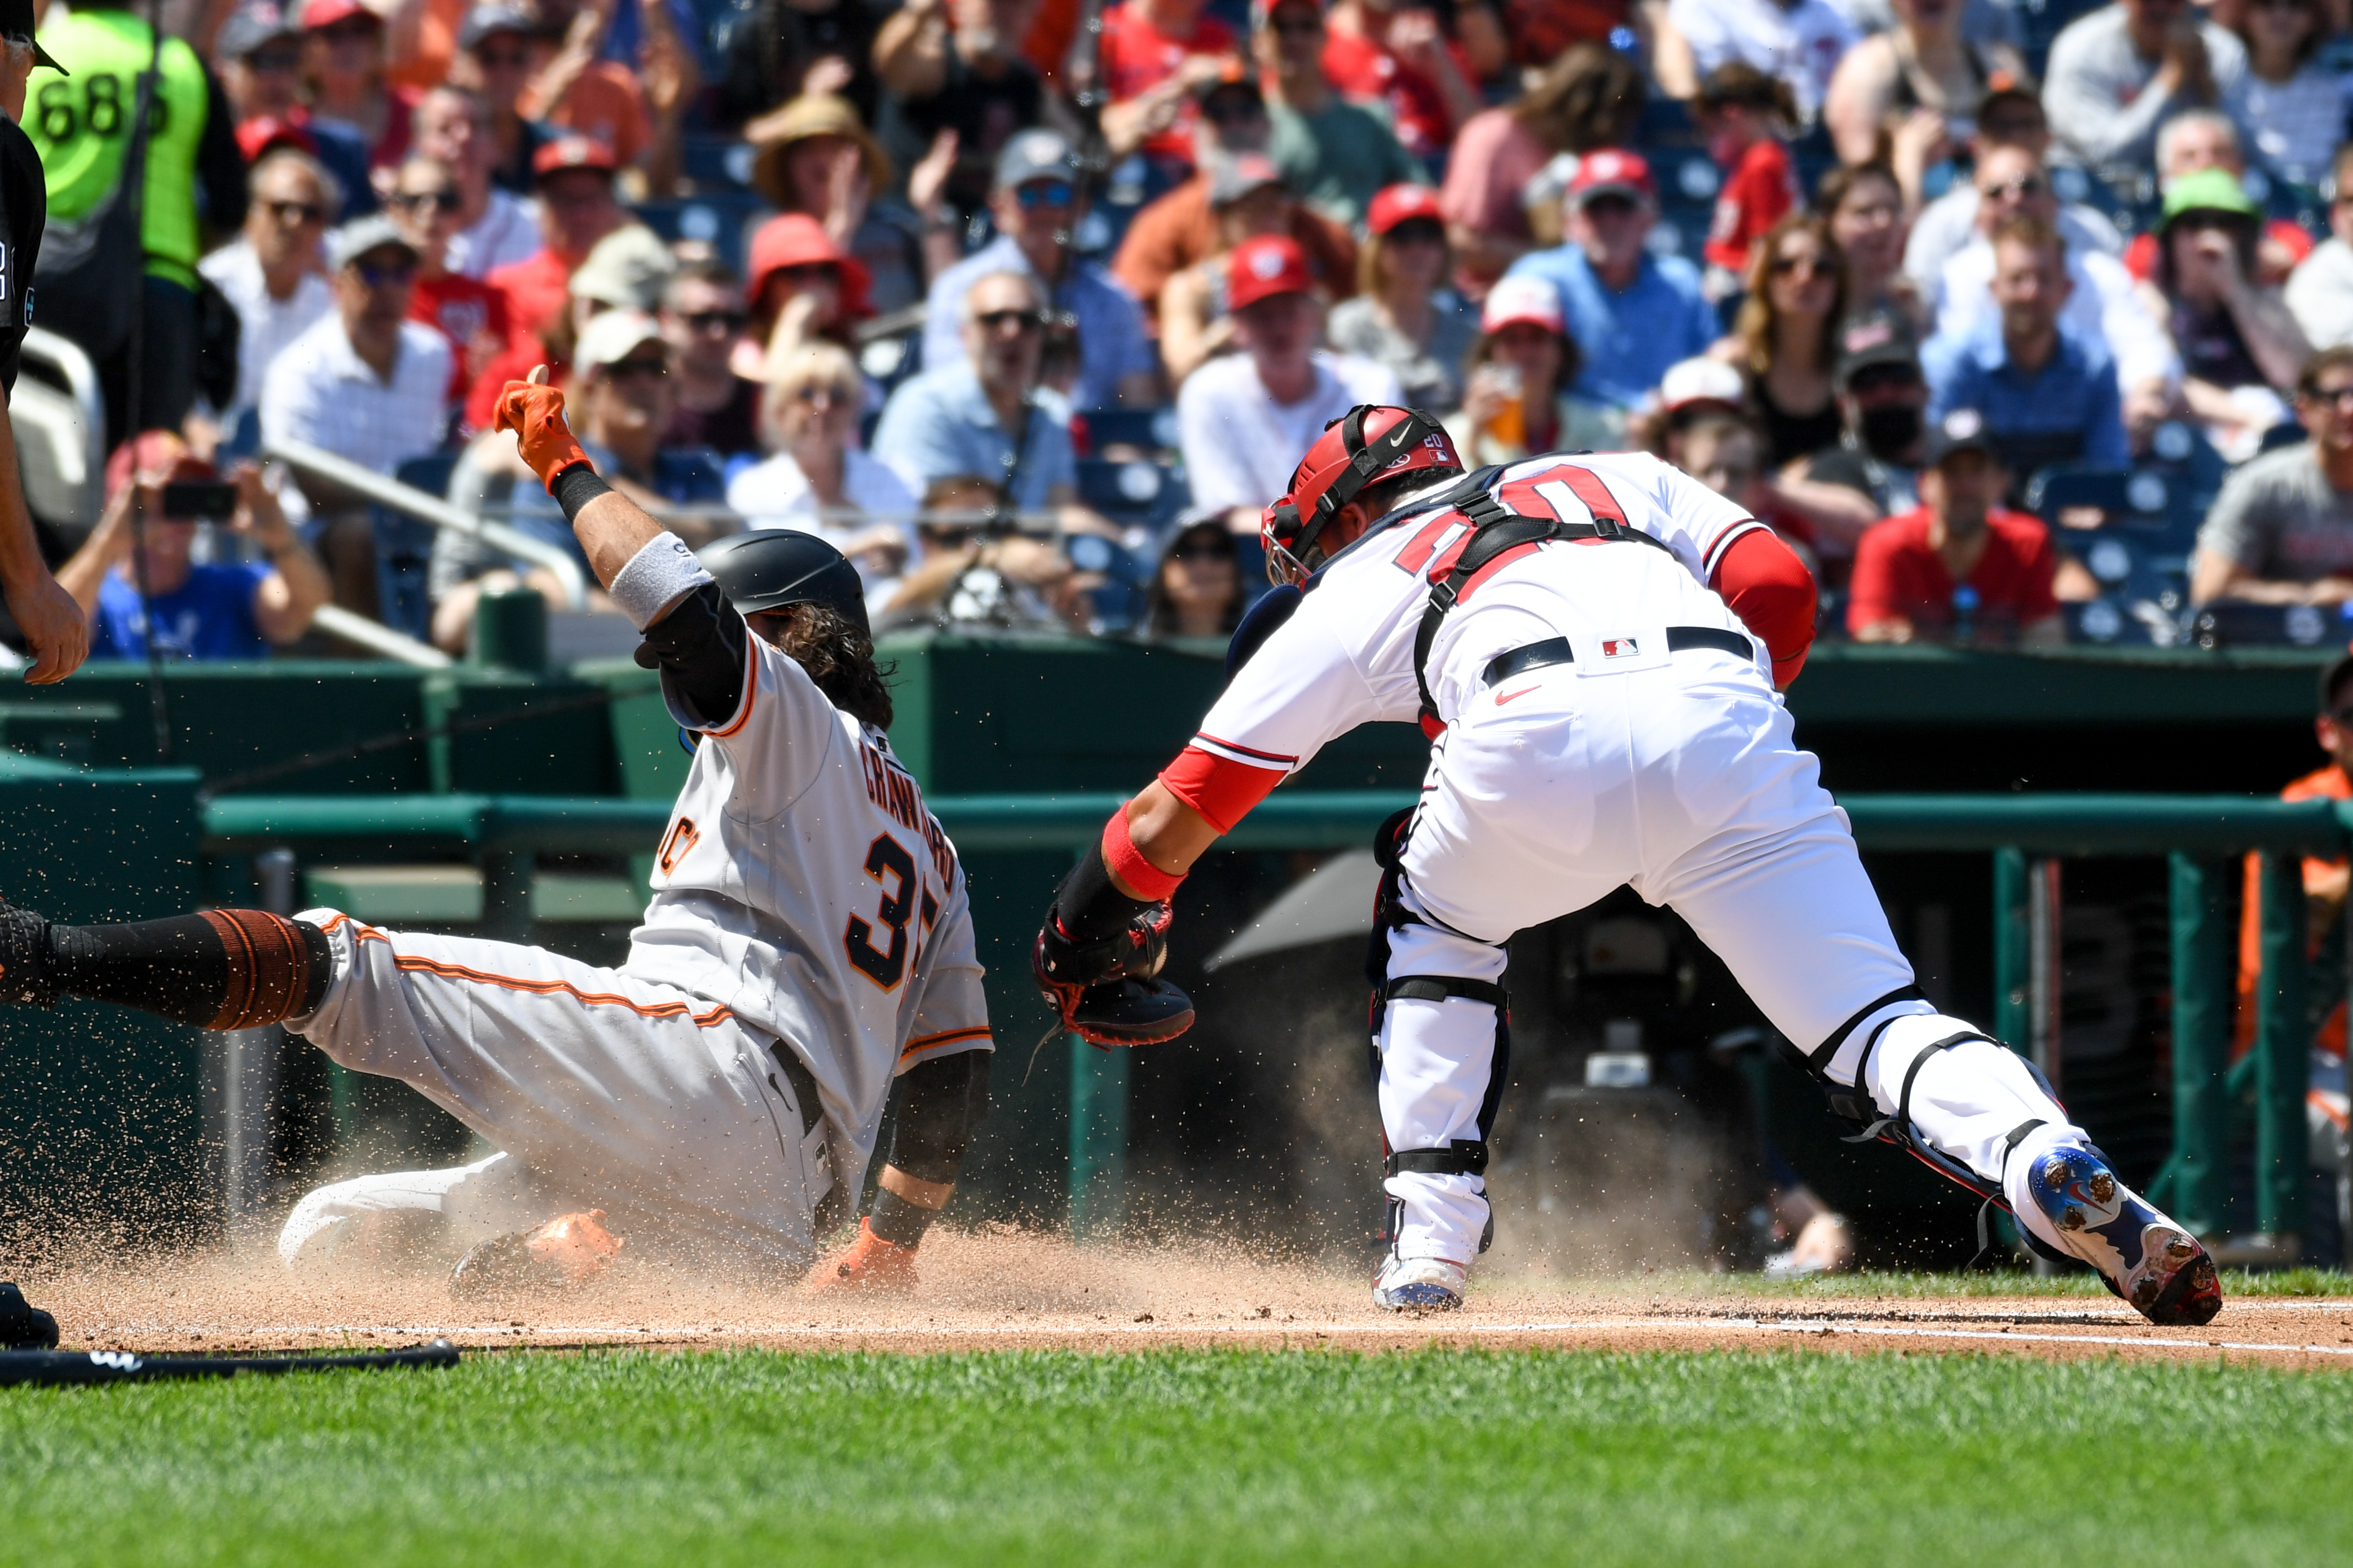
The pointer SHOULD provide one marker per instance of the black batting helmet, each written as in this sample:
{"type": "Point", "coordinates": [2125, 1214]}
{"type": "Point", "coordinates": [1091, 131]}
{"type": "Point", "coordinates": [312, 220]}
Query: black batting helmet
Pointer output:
{"type": "Point", "coordinates": [769, 568]}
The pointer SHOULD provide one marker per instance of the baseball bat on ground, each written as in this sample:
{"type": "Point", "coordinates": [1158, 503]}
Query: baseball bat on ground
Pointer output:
{"type": "Point", "coordinates": [54, 1369]}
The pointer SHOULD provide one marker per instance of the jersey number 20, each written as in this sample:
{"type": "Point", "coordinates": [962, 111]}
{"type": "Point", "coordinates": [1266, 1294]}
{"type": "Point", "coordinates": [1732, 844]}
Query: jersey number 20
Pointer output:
{"type": "Point", "coordinates": [886, 969]}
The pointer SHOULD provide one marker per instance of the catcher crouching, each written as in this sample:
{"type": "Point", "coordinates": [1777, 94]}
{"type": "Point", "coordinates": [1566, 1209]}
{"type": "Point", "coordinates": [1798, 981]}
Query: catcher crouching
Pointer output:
{"type": "Point", "coordinates": [807, 954]}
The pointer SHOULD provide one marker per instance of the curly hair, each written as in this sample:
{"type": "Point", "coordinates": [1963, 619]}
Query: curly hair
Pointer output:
{"type": "Point", "coordinates": [1588, 99]}
{"type": "Point", "coordinates": [840, 657]}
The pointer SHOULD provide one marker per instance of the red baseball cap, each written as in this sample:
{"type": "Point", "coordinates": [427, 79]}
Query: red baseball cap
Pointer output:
{"type": "Point", "coordinates": [318, 14]}
{"type": "Point", "coordinates": [1264, 267]}
{"type": "Point", "coordinates": [1613, 171]}
{"type": "Point", "coordinates": [573, 153]}
{"type": "Point", "coordinates": [796, 239]}
{"type": "Point", "coordinates": [266, 132]}
{"type": "Point", "coordinates": [1398, 203]}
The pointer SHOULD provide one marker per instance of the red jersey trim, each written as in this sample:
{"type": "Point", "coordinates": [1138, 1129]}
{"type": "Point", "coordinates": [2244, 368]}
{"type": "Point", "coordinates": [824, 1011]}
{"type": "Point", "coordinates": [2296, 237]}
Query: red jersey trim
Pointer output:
{"type": "Point", "coordinates": [1220, 788]}
{"type": "Point", "coordinates": [1246, 754]}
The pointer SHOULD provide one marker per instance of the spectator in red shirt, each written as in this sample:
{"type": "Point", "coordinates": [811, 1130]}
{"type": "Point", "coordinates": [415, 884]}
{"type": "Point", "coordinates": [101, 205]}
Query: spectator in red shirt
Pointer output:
{"type": "Point", "coordinates": [1745, 113]}
{"type": "Point", "coordinates": [1377, 50]}
{"type": "Point", "coordinates": [1155, 56]}
{"type": "Point", "coordinates": [1957, 568]}
{"type": "Point", "coordinates": [344, 56]}
{"type": "Point", "coordinates": [423, 203]}
{"type": "Point", "coordinates": [577, 209]}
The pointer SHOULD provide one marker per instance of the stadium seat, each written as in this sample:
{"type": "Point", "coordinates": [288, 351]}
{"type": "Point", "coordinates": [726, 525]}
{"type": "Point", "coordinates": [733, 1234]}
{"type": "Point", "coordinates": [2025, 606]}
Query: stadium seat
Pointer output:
{"type": "Point", "coordinates": [403, 548]}
{"type": "Point", "coordinates": [720, 219]}
{"type": "Point", "coordinates": [2291, 625]}
{"type": "Point", "coordinates": [717, 162]}
{"type": "Point", "coordinates": [1132, 493]}
{"type": "Point", "coordinates": [1154, 429]}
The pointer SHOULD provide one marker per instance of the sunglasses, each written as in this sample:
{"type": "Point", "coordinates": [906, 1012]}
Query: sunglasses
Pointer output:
{"type": "Point", "coordinates": [385, 274]}
{"type": "Point", "coordinates": [1417, 231]}
{"type": "Point", "coordinates": [807, 274]}
{"type": "Point", "coordinates": [274, 62]}
{"type": "Point", "coordinates": [623, 369]}
{"type": "Point", "coordinates": [1813, 266]}
{"type": "Point", "coordinates": [1612, 205]}
{"type": "Point", "coordinates": [502, 60]}
{"type": "Point", "coordinates": [1203, 550]}
{"type": "Point", "coordinates": [2339, 395]}
{"type": "Point", "coordinates": [715, 320]}
{"type": "Point", "coordinates": [1044, 194]}
{"type": "Point", "coordinates": [1022, 320]}
{"type": "Point", "coordinates": [1234, 109]}
{"type": "Point", "coordinates": [353, 32]}
{"type": "Point", "coordinates": [1299, 27]}
{"type": "Point", "coordinates": [2023, 187]}
{"type": "Point", "coordinates": [444, 200]}
{"type": "Point", "coordinates": [296, 212]}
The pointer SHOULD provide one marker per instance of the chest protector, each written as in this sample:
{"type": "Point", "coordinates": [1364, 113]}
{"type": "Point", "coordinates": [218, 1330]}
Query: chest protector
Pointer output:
{"type": "Point", "coordinates": [1495, 534]}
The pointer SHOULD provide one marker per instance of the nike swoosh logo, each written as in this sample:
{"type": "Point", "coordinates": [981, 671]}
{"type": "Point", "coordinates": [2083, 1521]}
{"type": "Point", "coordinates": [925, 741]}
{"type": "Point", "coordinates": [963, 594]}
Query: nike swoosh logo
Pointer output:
{"type": "Point", "coordinates": [1508, 696]}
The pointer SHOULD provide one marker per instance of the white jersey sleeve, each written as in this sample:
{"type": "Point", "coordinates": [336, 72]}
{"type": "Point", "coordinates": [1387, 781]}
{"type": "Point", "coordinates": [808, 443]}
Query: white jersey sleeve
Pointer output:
{"type": "Point", "coordinates": [782, 719]}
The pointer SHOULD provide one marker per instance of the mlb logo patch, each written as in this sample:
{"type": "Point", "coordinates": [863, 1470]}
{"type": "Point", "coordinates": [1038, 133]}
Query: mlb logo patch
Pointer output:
{"type": "Point", "coordinates": [1619, 647]}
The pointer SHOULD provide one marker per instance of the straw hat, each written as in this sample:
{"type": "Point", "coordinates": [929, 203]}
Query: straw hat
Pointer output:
{"type": "Point", "coordinates": [811, 114]}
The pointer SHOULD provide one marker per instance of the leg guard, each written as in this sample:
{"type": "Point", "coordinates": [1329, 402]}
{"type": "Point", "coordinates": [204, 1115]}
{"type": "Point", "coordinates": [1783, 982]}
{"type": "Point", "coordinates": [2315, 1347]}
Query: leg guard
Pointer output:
{"type": "Point", "coordinates": [1944, 1092]}
{"type": "Point", "coordinates": [1441, 1047]}
{"type": "Point", "coordinates": [221, 969]}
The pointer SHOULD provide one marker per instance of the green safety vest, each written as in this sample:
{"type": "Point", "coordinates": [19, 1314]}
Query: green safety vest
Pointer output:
{"type": "Point", "coordinates": [80, 125]}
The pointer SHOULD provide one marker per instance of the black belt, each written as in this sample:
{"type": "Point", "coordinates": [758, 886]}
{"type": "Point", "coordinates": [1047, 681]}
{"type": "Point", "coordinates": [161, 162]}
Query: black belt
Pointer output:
{"type": "Point", "coordinates": [804, 1085]}
{"type": "Point", "coordinates": [1555, 650]}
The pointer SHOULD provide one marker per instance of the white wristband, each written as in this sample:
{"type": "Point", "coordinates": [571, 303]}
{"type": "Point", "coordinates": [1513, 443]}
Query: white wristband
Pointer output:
{"type": "Point", "coordinates": [657, 577]}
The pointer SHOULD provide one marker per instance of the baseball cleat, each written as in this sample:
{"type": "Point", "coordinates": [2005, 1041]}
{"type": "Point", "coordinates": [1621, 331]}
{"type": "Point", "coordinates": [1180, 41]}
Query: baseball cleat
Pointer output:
{"type": "Point", "coordinates": [1419, 1285]}
{"type": "Point", "coordinates": [25, 958]}
{"type": "Point", "coordinates": [2145, 1257]}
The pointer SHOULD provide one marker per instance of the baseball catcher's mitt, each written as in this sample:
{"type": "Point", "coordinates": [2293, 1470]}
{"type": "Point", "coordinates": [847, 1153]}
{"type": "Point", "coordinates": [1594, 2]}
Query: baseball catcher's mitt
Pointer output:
{"type": "Point", "coordinates": [1108, 992]}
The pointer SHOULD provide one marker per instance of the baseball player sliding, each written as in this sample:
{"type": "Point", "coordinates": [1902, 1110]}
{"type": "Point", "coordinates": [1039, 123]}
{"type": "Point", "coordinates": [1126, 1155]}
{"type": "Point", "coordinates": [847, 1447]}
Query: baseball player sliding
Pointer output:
{"type": "Point", "coordinates": [808, 946]}
{"type": "Point", "coordinates": [1594, 644]}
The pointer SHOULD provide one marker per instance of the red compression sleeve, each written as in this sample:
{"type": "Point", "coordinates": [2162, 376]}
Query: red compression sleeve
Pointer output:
{"type": "Point", "coordinates": [1128, 864]}
{"type": "Point", "coordinates": [1773, 594]}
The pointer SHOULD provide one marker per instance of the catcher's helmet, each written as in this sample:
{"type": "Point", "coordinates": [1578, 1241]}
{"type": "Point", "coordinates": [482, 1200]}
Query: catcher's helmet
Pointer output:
{"type": "Point", "coordinates": [1372, 441]}
{"type": "Point", "coordinates": [769, 568]}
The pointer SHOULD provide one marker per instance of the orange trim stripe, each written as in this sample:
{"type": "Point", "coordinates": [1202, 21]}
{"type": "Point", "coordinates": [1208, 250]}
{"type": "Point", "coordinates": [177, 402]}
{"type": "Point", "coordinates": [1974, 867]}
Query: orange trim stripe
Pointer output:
{"type": "Point", "coordinates": [950, 1037]}
{"type": "Point", "coordinates": [442, 971]}
{"type": "Point", "coordinates": [751, 685]}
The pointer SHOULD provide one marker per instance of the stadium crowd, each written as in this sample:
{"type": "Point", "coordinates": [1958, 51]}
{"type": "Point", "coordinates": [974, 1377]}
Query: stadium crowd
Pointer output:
{"type": "Point", "coordinates": [2022, 326]}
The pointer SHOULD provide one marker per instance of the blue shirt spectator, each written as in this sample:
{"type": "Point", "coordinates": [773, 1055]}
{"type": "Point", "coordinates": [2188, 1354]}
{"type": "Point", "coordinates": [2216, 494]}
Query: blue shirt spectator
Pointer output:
{"type": "Point", "coordinates": [208, 615]}
{"type": "Point", "coordinates": [940, 424]}
{"type": "Point", "coordinates": [1035, 208]}
{"type": "Point", "coordinates": [199, 609]}
{"type": "Point", "coordinates": [2048, 394]}
{"type": "Point", "coordinates": [966, 419]}
{"type": "Point", "coordinates": [1632, 313]}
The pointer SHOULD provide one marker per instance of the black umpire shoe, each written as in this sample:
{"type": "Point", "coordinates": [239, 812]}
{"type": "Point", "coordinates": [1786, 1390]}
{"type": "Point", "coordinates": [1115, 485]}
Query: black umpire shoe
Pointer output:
{"type": "Point", "coordinates": [25, 959]}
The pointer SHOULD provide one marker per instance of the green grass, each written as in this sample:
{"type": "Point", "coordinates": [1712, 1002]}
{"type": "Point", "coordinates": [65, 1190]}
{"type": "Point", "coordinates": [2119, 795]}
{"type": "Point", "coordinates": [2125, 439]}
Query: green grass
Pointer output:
{"type": "Point", "coordinates": [1437, 1458]}
{"type": "Point", "coordinates": [2329, 1283]}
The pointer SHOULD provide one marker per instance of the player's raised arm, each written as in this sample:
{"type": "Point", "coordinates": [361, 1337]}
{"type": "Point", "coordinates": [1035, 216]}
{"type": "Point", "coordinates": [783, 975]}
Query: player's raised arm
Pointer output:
{"type": "Point", "coordinates": [648, 570]}
{"type": "Point", "coordinates": [612, 528]}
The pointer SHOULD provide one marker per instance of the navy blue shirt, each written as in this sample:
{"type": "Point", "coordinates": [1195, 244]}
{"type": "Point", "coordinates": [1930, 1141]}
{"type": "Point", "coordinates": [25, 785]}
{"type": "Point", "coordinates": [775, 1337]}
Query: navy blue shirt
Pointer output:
{"type": "Point", "coordinates": [210, 616]}
{"type": "Point", "coordinates": [2071, 402]}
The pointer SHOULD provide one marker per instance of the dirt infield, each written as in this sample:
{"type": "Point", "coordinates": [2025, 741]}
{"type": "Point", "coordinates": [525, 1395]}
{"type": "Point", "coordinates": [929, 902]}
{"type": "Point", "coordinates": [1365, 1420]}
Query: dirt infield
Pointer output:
{"type": "Point", "coordinates": [1013, 1291]}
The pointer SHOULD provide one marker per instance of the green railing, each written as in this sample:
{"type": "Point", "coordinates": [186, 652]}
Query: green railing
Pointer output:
{"type": "Point", "coordinates": [2026, 835]}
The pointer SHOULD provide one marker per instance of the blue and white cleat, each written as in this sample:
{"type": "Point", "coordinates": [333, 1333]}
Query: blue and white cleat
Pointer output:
{"type": "Point", "coordinates": [1419, 1285]}
{"type": "Point", "coordinates": [2145, 1257]}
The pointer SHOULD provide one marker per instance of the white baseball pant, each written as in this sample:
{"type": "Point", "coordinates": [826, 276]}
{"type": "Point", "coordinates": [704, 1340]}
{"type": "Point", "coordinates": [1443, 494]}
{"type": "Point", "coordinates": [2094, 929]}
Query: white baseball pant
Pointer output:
{"type": "Point", "coordinates": [1682, 779]}
{"type": "Point", "coordinates": [603, 1090]}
